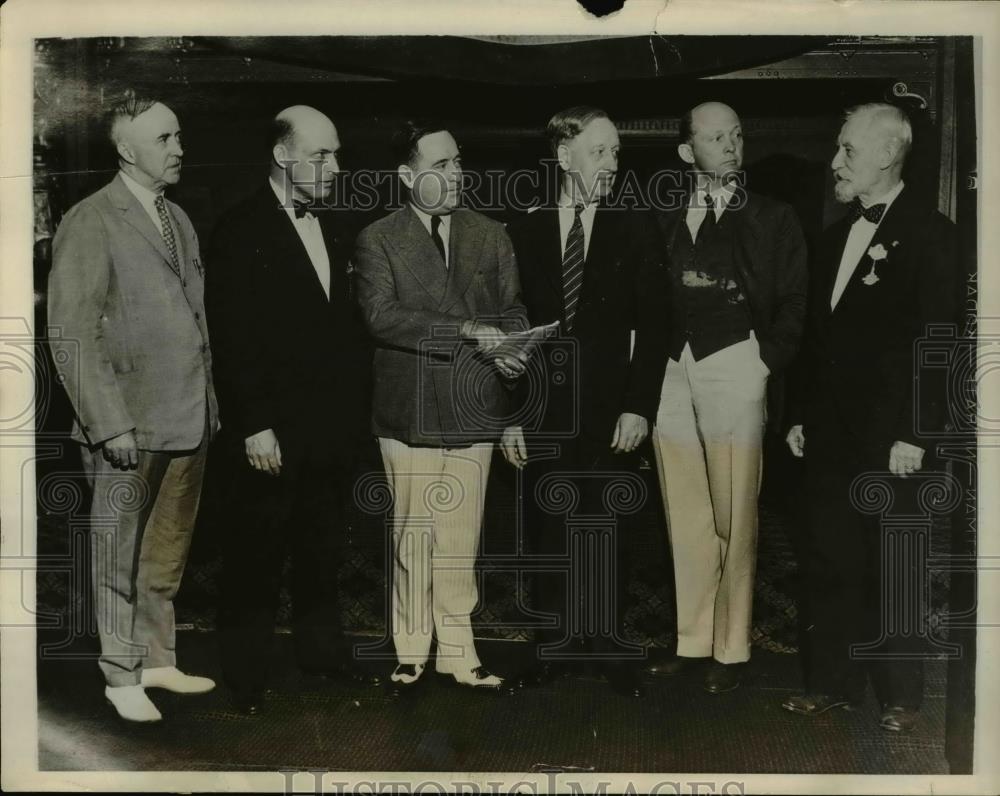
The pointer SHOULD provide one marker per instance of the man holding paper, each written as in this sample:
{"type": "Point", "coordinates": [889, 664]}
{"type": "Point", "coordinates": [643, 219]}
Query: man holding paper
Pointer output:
{"type": "Point", "coordinates": [589, 396]}
{"type": "Point", "coordinates": [439, 290]}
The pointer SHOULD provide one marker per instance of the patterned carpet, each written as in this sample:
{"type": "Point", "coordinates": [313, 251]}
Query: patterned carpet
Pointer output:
{"type": "Point", "coordinates": [649, 617]}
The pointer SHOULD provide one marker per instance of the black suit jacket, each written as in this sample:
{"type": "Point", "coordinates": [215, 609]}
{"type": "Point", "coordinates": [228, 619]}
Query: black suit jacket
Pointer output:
{"type": "Point", "coordinates": [859, 363]}
{"type": "Point", "coordinates": [287, 358]}
{"type": "Point", "coordinates": [624, 288]}
{"type": "Point", "coordinates": [770, 258]}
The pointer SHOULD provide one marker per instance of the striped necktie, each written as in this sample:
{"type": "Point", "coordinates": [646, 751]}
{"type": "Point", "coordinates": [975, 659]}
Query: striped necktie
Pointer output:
{"type": "Point", "coordinates": [573, 268]}
{"type": "Point", "coordinates": [167, 230]}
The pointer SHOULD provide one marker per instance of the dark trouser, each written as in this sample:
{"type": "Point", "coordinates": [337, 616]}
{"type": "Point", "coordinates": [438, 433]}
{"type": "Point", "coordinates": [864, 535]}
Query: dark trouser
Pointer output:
{"type": "Point", "coordinates": [577, 506]}
{"type": "Point", "coordinates": [298, 512]}
{"type": "Point", "coordinates": [863, 610]}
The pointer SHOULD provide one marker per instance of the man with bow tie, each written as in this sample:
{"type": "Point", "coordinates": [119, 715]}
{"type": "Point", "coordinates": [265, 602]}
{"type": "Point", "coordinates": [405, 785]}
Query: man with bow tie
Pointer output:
{"type": "Point", "coordinates": [884, 273]}
{"type": "Point", "coordinates": [291, 367]}
{"type": "Point", "coordinates": [128, 336]}
{"type": "Point", "coordinates": [738, 263]}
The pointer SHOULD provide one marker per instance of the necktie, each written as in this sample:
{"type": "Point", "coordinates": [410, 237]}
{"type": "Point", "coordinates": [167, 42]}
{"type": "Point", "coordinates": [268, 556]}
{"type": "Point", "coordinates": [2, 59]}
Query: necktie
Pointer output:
{"type": "Point", "coordinates": [302, 209]}
{"type": "Point", "coordinates": [167, 230]}
{"type": "Point", "coordinates": [573, 268]}
{"type": "Point", "coordinates": [857, 211]}
{"type": "Point", "coordinates": [708, 224]}
{"type": "Point", "coordinates": [438, 240]}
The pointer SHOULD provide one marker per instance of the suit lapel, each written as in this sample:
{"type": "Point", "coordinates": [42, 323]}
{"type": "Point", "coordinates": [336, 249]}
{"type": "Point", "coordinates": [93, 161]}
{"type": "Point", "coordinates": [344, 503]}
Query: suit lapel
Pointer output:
{"type": "Point", "coordinates": [135, 215]}
{"type": "Point", "coordinates": [550, 250]}
{"type": "Point", "coordinates": [418, 253]}
{"type": "Point", "coordinates": [290, 248]}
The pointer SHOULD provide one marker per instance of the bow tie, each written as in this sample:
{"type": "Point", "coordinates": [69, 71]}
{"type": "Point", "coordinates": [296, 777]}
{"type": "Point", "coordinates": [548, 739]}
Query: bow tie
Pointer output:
{"type": "Point", "coordinates": [302, 209]}
{"type": "Point", "coordinates": [873, 213]}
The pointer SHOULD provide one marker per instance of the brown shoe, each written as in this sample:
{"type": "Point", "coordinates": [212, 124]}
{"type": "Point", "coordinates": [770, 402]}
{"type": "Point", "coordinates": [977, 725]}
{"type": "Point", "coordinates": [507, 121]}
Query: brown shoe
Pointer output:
{"type": "Point", "coordinates": [723, 677]}
{"type": "Point", "coordinates": [815, 704]}
{"type": "Point", "coordinates": [896, 718]}
{"type": "Point", "coordinates": [675, 666]}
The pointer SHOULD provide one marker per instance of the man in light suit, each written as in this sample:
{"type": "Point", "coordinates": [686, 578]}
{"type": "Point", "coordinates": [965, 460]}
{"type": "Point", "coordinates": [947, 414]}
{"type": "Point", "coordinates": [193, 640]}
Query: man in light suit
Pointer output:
{"type": "Point", "coordinates": [738, 266]}
{"type": "Point", "coordinates": [291, 365]}
{"type": "Point", "coordinates": [592, 267]}
{"type": "Point", "coordinates": [439, 289]}
{"type": "Point", "coordinates": [131, 347]}
{"type": "Point", "coordinates": [883, 274]}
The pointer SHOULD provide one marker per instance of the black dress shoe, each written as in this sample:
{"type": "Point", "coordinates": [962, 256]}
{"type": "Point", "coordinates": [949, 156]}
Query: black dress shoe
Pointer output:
{"type": "Point", "coordinates": [723, 677]}
{"type": "Point", "coordinates": [675, 666]}
{"type": "Point", "coordinates": [479, 679]}
{"type": "Point", "coordinates": [897, 718]}
{"type": "Point", "coordinates": [815, 704]}
{"type": "Point", "coordinates": [624, 681]}
{"type": "Point", "coordinates": [543, 674]}
{"type": "Point", "coordinates": [249, 703]}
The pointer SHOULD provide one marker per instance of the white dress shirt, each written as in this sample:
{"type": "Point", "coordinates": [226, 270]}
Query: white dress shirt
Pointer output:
{"type": "Point", "coordinates": [858, 240]}
{"type": "Point", "coordinates": [567, 211]}
{"type": "Point", "coordinates": [311, 235]}
{"type": "Point", "coordinates": [444, 228]}
{"type": "Point", "coordinates": [147, 199]}
{"type": "Point", "coordinates": [697, 209]}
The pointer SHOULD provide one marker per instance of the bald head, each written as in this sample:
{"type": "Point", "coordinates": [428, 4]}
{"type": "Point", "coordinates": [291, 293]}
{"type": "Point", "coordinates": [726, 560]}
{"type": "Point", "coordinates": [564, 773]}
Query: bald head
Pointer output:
{"type": "Point", "coordinates": [304, 152]}
{"type": "Point", "coordinates": [712, 141]}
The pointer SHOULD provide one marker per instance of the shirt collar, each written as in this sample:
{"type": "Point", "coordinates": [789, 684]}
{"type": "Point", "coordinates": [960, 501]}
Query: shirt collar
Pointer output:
{"type": "Point", "coordinates": [888, 197]}
{"type": "Point", "coordinates": [282, 194]}
{"type": "Point", "coordinates": [141, 192]}
{"type": "Point", "coordinates": [425, 219]}
{"type": "Point", "coordinates": [720, 197]}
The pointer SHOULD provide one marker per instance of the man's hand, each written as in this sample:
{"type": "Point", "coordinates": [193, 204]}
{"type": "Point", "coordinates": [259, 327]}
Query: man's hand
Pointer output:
{"type": "Point", "coordinates": [509, 366]}
{"type": "Point", "coordinates": [796, 441]}
{"type": "Point", "coordinates": [905, 458]}
{"type": "Point", "coordinates": [264, 452]}
{"type": "Point", "coordinates": [513, 447]}
{"type": "Point", "coordinates": [630, 430]}
{"type": "Point", "coordinates": [121, 451]}
{"type": "Point", "coordinates": [487, 337]}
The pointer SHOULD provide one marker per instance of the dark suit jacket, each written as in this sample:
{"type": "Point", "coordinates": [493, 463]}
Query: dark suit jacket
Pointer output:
{"type": "Point", "coordinates": [624, 288]}
{"type": "Point", "coordinates": [432, 388]}
{"type": "Point", "coordinates": [858, 364]}
{"type": "Point", "coordinates": [131, 343]}
{"type": "Point", "coordinates": [287, 358]}
{"type": "Point", "coordinates": [769, 254]}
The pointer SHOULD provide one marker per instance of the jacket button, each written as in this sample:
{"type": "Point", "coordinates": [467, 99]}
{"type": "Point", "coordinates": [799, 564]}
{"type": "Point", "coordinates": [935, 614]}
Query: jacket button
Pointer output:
{"type": "Point", "coordinates": [204, 347]}
{"type": "Point", "coordinates": [197, 316]}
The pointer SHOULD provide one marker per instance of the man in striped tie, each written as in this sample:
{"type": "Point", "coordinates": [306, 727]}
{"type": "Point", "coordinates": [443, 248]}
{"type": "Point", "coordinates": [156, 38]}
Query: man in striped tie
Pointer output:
{"type": "Point", "coordinates": [128, 335]}
{"type": "Point", "coordinates": [587, 265]}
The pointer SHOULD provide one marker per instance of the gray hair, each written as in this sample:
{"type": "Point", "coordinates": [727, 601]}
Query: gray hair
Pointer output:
{"type": "Point", "coordinates": [892, 122]}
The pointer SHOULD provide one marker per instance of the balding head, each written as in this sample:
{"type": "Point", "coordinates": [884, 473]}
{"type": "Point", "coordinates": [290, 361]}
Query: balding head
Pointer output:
{"type": "Point", "coordinates": [304, 146]}
{"type": "Point", "coordinates": [712, 142]}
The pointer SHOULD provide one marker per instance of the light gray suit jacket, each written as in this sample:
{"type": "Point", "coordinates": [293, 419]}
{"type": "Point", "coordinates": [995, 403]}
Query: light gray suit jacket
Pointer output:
{"type": "Point", "coordinates": [127, 331]}
{"type": "Point", "coordinates": [431, 387]}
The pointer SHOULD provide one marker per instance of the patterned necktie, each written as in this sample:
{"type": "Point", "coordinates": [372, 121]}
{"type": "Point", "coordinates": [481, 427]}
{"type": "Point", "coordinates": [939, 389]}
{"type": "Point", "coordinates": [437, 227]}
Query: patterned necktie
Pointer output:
{"type": "Point", "coordinates": [709, 222]}
{"type": "Point", "coordinates": [167, 230]}
{"type": "Point", "coordinates": [572, 272]}
{"type": "Point", "coordinates": [856, 212]}
{"type": "Point", "coordinates": [436, 237]}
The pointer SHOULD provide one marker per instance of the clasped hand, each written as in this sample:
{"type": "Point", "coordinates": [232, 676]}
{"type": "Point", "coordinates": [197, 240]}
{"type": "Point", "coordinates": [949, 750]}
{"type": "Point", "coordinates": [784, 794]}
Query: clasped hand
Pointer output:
{"type": "Point", "coordinates": [488, 338]}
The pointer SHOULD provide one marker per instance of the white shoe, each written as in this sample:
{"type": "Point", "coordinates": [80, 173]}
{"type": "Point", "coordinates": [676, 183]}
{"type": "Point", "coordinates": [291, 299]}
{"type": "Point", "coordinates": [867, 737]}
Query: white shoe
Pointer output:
{"type": "Point", "coordinates": [407, 673]}
{"type": "Point", "coordinates": [173, 679]}
{"type": "Point", "coordinates": [132, 703]}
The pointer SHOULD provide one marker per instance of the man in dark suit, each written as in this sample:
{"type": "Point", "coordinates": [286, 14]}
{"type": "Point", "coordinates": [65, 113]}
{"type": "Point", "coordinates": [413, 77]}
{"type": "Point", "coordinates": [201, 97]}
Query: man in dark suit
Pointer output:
{"type": "Point", "coordinates": [438, 288]}
{"type": "Point", "coordinates": [591, 267]}
{"type": "Point", "coordinates": [884, 273]}
{"type": "Point", "coordinates": [738, 268]}
{"type": "Point", "coordinates": [131, 347]}
{"type": "Point", "coordinates": [291, 368]}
